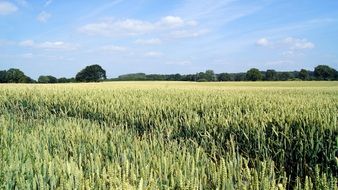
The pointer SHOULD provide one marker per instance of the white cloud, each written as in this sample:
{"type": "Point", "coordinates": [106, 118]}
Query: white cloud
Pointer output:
{"type": "Point", "coordinates": [298, 44]}
{"type": "Point", "coordinates": [125, 27]}
{"type": "Point", "coordinates": [7, 8]}
{"type": "Point", "coordinates": [118, 28]}
{"type": "Point", "coordinates": [57, 45]}
{"type": "Point", "coordinates": [289, 53]}
{"type": "Point", "coordinates": [263, 42]}
{"type": "Point", "coordinates": [172, 21]}
{"type": "Point", "coordinates": [289, 46]}
{"type": "Point", "coordinates": [288, 43]}
{"type": "Point", "coordinates": [112, 48]}
{"type": "Point", "coordinates": [153, 54]}
{"type": "Point", "coordinates": [48, 2]}
{"type": "Point", "coordinates": [43, 16]}
{"type": "Point", "coordinates": [188, 33]}
{"type": "Point", "coordinates": [27, 43]}
{"type": "Point", "coordinates": [153, 41]}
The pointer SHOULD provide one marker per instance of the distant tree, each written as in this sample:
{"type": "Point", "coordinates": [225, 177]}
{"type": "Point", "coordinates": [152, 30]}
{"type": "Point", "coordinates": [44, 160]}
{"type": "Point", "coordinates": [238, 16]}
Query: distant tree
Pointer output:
{"type": "Point", "coordinates": [17, 76]}
{"type": "Point", "coordinates": [3, 77]}
{"type": "Point", "coordinates": [224, 77]}
{"type": "Point", "coordinates": [283, 76]}
{"type": "Point", "coordinates": [43, 79]}
{"type": "Point", "coordinates": [177, 77]}
{"type": "Point", "coordinates": [303, 74]}
{"type": "Point", "coordinates": [200, 76]}
{"type": "Point", "coordinates": [254, 75]}
{"type": "Point", "coordinates": [92, 73]}
{"type": "Point", "coordinates": [239, 76]}
{"type": "Point", "coordinates": [47, 79]}
{"type": "Point", "coordinates": [202, 80]}
{"type": "Point", "coordinates": [62, 80]}
{"type": "Point", "coordinates": [270, 75]}
{"type": "Point", "coordinates": [324, 72]}
{"type": "Point", "coordinates": [210, 75]}
{"type": "Point", "coordinates": [133, 76]}
{"type": "Point", "coordinates": [72, 79]}
{"type": "Point", "coordinates": [190, 77]}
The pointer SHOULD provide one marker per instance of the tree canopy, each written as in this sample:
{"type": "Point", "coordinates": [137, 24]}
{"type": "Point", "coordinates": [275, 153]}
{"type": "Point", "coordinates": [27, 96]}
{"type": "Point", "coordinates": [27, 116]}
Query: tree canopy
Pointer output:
{"type": "Point", "coordinates": [271, 75]}
{"type": "Point", "coordinates": [47, 79]}
{"type": "Point", "coordinates": [254, 75]}
{"type": "Point", "coordinates": [303, 74]}
{"type": "Point", "coordinates": [92, 73]}
{"type": "Point", "coordinates": [325, 72]}
{"type": "Point", "coordinates": [14, 76]}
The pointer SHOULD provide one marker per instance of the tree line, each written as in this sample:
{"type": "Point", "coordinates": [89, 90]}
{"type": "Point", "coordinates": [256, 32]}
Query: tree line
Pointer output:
{"type": "Point", "coordinates": [92, 73]}
{"type": "Point", "coordinates": [95, 73]}
{"type": "Point", "coordinates": [321, 72]}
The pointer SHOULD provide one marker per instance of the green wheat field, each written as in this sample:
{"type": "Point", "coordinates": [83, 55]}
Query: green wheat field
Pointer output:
{"type": "Point", "coordinates": [169, 135]}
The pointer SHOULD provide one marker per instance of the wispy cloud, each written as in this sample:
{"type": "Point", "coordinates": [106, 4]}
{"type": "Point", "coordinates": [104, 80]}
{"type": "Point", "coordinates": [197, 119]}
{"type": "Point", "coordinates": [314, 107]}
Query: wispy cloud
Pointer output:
{"type": "Point", "coordinates": [153, 54]}
{"type": "Point", "coordinates": [216, 13]}
{"type": "Point", "coordinates": [289, 43]}
{"type": "Point", "coordinates": [289, 46]}
{"type": "Point", "coordinates": [7, 8]}
{"type": "Point", "coordinates": [297, 26]}
{"type": "Point", "coordinates": [48, 2]}
{"type": "Point", "coordinates": [152, 41]}
{"type": "Point", "coordinates": [297, 44]}
{"type": "Point", "coordinates": [43, 16]}
{"type": "Point", "coordinates": [113, 48]}
{"type": "Point", "coordinates": [48, 45]}
{"type": "Point", "coordinates": [188, 33]}
{"type": "Point", "coordinates": [101, 9]}
{"type": "Point", "coordinates": [128, 27]}
{"type": "Point", "coordinates": [263, 42]}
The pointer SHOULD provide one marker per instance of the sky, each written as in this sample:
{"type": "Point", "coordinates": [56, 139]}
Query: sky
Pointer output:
{"type": "Point", "coordinates": [61, 37]}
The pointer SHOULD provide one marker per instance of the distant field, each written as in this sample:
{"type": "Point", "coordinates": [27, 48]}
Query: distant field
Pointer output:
{"type": "Point", "coordinates": [169, 135]}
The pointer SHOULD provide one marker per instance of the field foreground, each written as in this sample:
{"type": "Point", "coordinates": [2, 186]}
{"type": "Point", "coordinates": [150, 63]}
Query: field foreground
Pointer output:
{"type": "Point", "coordinates": [169, 135]}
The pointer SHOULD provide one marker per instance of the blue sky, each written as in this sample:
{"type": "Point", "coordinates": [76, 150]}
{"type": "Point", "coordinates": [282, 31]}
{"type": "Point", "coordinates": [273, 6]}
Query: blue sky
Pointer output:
{"type": "Point", "coordinates": [59, 37]}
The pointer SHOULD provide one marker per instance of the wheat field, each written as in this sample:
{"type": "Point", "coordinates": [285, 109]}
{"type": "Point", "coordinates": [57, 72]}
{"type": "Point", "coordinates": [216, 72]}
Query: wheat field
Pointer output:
{"type": "Point", "coordinates": [169, 135]}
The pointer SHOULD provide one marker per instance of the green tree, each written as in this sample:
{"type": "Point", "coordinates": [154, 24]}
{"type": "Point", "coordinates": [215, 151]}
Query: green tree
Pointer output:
{"type": "Point", "coordinates": [210, 75]}
{"type": "Point", "coordinates": [177, 77]}
{"type": "Point", "coordinates": [16, 76]}
{"type": "Point", "coordinates": [283, 76]}
{"type": "Point", "coordinates": [254, 75]}
{"type": "Point", "coordinates": [3, 77]}
{"type": "Point", "coordinates": [62, 80]}
{"type": "Point", "coordinates": [303, 74]}
{"type": "Point", "coordinates": [324, 72]}
{"type": "Point", "coordinates": [271, 75]}
{"type": "Point", "coordinates": [224, 77]}
{"type": "Point", "coordinates": [201, 77]}
{"type": "Point", "coordinates": [47, 79]}
{"type": "Point", "coordinates": [239, 76]}
{"type": "Point", "coordinates": [92, 73]}
{"type": "Point", "coordinates": [206, 76]}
